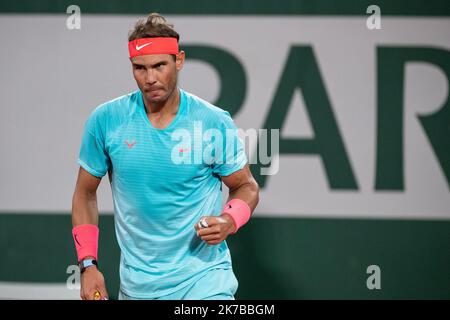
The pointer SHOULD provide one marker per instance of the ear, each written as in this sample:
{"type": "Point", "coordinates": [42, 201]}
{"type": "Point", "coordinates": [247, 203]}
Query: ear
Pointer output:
{"type": "Point", "coordinates": [180, 60]}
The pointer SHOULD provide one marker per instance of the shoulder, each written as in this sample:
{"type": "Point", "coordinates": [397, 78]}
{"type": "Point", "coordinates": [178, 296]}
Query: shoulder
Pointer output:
{"type": "Point", "coordinates": [115, 111]}
{"type": "Point", "coordinates": [202, 109]}
{"type": "Point", "coordinates": [119, 106]}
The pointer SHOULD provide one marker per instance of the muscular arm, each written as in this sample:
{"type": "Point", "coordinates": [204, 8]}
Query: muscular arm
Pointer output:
{"type": "Point", "coordinates": [84, 201]}
{"type": "Point", "coordinates": [243, 186]}
{"type": "Point", "coordinates": [85, 211]}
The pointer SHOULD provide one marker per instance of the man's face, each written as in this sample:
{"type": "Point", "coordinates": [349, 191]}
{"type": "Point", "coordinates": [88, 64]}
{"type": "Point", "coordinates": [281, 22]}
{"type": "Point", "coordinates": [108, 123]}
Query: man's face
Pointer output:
{"type": "Point", "coordinates": [156, 75]}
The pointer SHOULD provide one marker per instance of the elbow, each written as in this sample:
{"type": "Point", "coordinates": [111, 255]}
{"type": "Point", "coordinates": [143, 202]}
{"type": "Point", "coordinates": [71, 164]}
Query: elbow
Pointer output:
{"type": "Point", "coordinates": [83, 202]}
{"type": "Point", "coordinates": [255, 189]}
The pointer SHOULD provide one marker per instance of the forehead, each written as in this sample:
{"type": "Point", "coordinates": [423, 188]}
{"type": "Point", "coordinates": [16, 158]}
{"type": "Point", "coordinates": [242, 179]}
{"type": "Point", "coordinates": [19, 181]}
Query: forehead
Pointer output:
{"type": "Point", "coordinates": [152, 58]}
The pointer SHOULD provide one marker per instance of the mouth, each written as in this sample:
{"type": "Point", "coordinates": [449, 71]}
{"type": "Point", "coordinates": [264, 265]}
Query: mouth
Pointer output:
{"type": "Point", "coordinates": [153, 89]}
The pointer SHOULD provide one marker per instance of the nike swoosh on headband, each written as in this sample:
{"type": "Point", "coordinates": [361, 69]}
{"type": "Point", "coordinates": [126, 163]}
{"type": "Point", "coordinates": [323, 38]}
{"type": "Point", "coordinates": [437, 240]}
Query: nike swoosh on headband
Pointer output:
{"type": "Point", "coordinates": [144, 45]}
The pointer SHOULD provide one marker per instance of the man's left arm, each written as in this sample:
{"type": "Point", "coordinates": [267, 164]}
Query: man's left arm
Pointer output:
{"type": "Point", "coordinates": [242, 201]}
{"type": "Point", "coordinates": [243, 186]}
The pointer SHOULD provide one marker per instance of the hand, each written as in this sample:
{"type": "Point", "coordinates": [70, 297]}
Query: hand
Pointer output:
{"type": "Point", "coordinates": [92, 280]}
{"type": "Point", "coordinates": [215, 229]}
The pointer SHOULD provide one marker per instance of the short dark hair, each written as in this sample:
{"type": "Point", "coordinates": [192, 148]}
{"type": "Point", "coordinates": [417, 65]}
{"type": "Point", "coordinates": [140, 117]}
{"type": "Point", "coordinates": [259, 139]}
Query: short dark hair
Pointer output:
{"type": "Point", "coordinates": [154, 26]}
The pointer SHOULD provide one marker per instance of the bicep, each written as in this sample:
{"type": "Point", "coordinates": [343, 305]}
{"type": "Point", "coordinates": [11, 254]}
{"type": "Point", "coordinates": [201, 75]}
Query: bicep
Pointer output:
{"type": "Point", "coordinates": [86, 182]}
{"type": "Point", "coordinates": [238, 178]}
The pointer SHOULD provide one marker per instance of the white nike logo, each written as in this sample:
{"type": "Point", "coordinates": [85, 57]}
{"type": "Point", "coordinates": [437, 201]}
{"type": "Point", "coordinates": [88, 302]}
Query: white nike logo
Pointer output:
{"type": "Point", "coordinates": [140, 47]}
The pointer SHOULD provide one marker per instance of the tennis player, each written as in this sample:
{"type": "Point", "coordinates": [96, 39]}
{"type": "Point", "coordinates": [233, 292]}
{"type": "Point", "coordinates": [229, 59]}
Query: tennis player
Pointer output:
{"type": "Point", "coordinates": [170, 223]}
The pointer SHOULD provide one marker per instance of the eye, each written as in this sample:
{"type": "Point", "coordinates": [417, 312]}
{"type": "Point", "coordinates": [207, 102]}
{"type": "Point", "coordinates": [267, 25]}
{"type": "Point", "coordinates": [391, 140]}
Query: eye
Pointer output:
{"type": "Point", "coordinates": [138, 67]}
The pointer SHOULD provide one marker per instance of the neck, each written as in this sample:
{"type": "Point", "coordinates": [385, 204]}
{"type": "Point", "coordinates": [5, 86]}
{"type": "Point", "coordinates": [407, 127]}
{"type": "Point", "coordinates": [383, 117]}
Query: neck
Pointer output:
{"type": "Point", "coordinates": [169, 106]}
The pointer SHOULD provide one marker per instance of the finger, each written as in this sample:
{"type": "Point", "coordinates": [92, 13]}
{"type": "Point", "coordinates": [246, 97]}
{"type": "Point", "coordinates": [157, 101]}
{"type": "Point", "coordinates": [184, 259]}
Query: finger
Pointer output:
{"type": "Point", "coordinates": [97, 295]}
{"type": "Point", "coordinates": [204, 232]}
{"type": "Point", "coordinates": [103, 293]}
{"type": "Point", "coordinates": [83, 295]}
{"type": "Point", "coordinates": [207, 231]}
{"type": "Point", "coordinates": [202, 223]}
{"type": "Point", "coordinates": [92, 294]}
{"type": "Point", "coordinates": [212, 221]}
{"type": "Point", "coordinates": [214, 242]}
{"type": "Point", "coordinates": [211, 237]}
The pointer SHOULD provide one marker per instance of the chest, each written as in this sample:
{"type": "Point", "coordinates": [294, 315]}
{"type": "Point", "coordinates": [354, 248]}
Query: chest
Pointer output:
{"type": "Point", "coordinates": [141, 155]}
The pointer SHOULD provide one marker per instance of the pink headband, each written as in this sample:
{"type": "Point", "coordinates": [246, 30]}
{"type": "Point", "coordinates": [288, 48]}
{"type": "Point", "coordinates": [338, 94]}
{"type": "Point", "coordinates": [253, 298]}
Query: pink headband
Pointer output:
{"type": "Point", "coordinates": [145, 46]}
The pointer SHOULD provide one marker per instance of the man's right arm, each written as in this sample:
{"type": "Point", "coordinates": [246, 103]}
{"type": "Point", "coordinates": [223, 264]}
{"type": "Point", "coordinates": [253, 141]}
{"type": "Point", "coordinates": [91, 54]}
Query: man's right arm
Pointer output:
{"type": "Point", "coordinates": [85, 212]}
{"type": "Point", "coordinates": [84, 202]}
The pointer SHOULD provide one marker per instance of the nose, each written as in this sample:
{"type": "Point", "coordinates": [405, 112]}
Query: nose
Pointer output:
{"type": "Point", "coordinates": [150, 79]}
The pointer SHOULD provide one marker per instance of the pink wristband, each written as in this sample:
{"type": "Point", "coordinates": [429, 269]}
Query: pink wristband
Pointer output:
{"type": "Point", "coordinates": [239, 211]}
{"type": "Point", "coordinates": [85, 237]}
